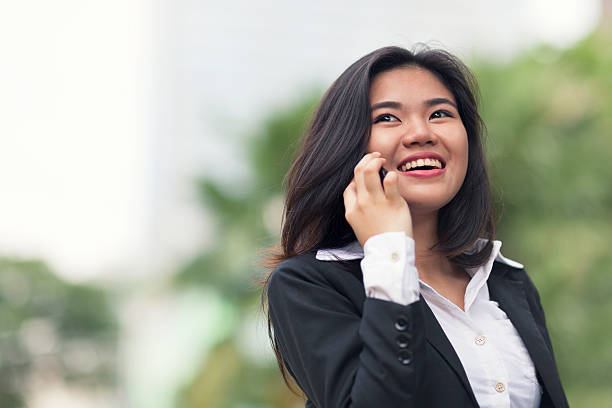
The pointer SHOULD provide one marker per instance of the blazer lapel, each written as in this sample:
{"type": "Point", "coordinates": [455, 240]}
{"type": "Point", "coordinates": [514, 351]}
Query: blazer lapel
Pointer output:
{"type": "Point", "coordinates": [436, 337]}
{"type": "Point", "coordinates": [511, 297]}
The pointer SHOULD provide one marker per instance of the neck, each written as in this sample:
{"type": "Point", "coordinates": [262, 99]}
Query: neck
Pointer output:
{"type": "Point", "coordinates": [432, 265]}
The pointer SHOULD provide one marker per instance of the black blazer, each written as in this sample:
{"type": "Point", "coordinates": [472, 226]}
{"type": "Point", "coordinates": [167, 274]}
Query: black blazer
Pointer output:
{"type": "Point", "coordinates": [347, 350]}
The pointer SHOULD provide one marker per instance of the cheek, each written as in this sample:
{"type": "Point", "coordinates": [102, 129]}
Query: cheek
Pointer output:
{"type": "Point", "coordinates": [466, 150]}
{"type": "Point", "coordinates": [464, 154]}
{"type": "Point", "coordinates": [373, 142]}
{"type": "Point", "coordinates": [381, 140]}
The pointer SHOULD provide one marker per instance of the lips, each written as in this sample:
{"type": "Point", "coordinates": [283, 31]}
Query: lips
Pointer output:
{"type": "Point", "coordinates": [423, 173]}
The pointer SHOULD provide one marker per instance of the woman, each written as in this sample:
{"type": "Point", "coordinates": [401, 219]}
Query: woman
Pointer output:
{"type": "Point", "coordinates": [394, 293]}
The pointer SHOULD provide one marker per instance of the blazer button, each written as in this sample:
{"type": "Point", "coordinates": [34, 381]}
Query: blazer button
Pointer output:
{"type": "Point", "coordinates": [401, 324]}
{"type": "Point", "coordinates": [402, 341]}
{"type": "Point", "coordinates": [405, 357]}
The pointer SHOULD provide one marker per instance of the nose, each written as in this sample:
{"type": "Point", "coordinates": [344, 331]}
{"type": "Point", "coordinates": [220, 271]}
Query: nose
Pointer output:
{"type": "Point", "coordinates": [418, 133]}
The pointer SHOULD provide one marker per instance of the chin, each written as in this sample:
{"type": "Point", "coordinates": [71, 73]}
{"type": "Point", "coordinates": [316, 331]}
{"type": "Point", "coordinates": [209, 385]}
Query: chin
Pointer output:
{"type": "Point", "coordinates": [424, 207]}
{"type": "Point", "coordinates": [427, 200]}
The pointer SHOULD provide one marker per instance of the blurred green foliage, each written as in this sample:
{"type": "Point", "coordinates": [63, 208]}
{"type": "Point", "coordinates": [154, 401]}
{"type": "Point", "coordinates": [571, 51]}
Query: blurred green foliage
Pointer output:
{"type": "Point", "coordinates": [51, 331]}
{"type": "Point", "coordinates": [248, 219]}
{"type": "Point", "coordinates": [549, 116]}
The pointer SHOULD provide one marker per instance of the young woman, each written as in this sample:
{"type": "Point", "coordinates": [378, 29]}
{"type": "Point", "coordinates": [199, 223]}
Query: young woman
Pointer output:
{"type": "Point", "coordinates": [394, 293]}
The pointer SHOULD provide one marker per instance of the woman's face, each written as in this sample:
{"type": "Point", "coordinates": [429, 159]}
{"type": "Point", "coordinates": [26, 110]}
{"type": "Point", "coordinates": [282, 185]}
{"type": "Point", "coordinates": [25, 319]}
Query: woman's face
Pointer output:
{"type": "Point", "coordinates": [417, 128]}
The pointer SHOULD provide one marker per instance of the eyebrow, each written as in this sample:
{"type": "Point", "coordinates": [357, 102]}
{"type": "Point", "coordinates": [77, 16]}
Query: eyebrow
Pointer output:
{"type": "Point", "coordinates": [387, 104]}
{"type": "Point", "coordinates": [399, 106]}
{"type": "Point", "coordinates": [440, 101]}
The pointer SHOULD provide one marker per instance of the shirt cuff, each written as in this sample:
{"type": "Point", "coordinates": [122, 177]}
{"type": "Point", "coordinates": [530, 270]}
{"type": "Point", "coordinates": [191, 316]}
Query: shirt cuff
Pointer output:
{"type": "Point", "coordinates": [389, 271]}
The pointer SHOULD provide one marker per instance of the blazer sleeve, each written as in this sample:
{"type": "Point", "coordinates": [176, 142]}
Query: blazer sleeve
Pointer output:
{"type": "Point", "coordinates": [341, 356]}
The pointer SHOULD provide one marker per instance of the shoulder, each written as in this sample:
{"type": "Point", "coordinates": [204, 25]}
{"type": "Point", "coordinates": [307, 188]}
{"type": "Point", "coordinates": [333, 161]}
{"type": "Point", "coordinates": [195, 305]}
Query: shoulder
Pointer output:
{"type": "Point", "coordinates": [303, 267]}
{"type": "Point", "coordinates": [303, 274]}
{"type": "Point", "coordinates": [514, 271]}
{"type": "Point", "coordinates": [308, 267]}
{"type": "Point", "coordinates": [299, 261]}
{"type": "Point", "coordinates": [508, 268]}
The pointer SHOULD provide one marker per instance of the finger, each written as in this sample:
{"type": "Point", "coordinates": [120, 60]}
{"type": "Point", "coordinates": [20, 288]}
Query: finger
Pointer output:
{"type": "Point", "coordinates": [350, 195]}
{"type": "Point", "coordinates": [366, 158]}
{"type": "Point", "coordinates": [391, 186]}
{"type": "Point", "coordinates": [372, 155]}
{"type": "Point", "coordinates": [369, 177]}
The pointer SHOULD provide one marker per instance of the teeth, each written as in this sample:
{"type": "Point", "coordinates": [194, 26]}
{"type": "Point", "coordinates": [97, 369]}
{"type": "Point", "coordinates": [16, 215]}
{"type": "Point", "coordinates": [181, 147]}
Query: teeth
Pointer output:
{"type": "Point", "coordinates": [421, 162]}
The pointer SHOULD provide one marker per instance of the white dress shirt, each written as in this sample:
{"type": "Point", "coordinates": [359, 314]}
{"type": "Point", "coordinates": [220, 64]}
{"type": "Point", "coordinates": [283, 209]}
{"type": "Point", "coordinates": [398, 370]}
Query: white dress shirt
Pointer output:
{"type": "Point", "coordinates": [491, 351]}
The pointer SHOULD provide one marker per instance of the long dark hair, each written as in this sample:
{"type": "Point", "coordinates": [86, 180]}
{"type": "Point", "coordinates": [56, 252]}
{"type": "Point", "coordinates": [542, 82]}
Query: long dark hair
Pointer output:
{"type": "Point", "coordinates": [336, 140]}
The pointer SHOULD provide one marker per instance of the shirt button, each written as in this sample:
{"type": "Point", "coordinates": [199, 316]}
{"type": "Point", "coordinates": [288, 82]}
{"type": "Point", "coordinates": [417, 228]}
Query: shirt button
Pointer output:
{"type": "Point", "coordinates": [395, 257]}
{"type": "Point", "coordinates": [500, 387]}
{"type": "Point", "coordinates": [480, 340]}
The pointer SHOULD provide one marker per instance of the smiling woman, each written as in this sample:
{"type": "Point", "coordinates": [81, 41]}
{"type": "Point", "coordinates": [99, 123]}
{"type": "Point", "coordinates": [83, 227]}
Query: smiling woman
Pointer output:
{"type": "Point", "coordinates": [385, 292]}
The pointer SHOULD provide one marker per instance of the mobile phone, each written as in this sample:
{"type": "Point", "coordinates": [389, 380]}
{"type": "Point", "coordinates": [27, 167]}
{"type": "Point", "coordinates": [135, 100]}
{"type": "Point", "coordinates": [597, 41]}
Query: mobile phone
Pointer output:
{"type": "Point", "coordinates": [382, 173]}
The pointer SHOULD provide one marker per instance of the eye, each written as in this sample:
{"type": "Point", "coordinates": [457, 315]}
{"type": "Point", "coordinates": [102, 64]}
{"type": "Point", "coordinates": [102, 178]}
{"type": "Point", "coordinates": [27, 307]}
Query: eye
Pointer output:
{"type": "Point", "coordinates": [386, 117]}
{"type": "Point", "coordinates": [441, 114]}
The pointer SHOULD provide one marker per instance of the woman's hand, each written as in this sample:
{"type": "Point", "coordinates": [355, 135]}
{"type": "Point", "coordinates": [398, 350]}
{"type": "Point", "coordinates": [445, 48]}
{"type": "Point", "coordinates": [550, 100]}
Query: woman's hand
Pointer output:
{"type": "Point", "coordinates": [370, 210]}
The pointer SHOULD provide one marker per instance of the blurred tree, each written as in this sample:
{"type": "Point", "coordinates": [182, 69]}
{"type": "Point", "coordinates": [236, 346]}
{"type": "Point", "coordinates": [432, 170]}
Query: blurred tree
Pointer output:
{"type": "Point", "coordinates": [248, 219]}
{"type": "Point", "coordinates": [548, 114]}
{"type": "Point", "coordinates": [51, 331]}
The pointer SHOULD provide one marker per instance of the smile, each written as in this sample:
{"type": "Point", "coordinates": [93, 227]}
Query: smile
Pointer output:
{"type": "Point", "coordinates": [422, 164]}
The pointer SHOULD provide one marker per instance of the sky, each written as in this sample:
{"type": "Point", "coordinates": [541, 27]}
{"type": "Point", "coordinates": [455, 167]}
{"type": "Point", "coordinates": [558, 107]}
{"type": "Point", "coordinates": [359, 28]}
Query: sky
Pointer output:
{"type": "Point", "coordinates": [110, 110]}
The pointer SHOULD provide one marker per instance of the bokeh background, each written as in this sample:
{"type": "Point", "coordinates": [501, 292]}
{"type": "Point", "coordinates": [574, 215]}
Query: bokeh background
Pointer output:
{"type": "Point", "coordinates": [142, 149]}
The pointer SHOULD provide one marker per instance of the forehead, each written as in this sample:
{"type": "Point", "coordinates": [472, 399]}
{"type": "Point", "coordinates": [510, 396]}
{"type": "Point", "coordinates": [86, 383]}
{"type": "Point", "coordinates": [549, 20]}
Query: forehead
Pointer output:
{"type": "Point", "coordinates": [407, 83]}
